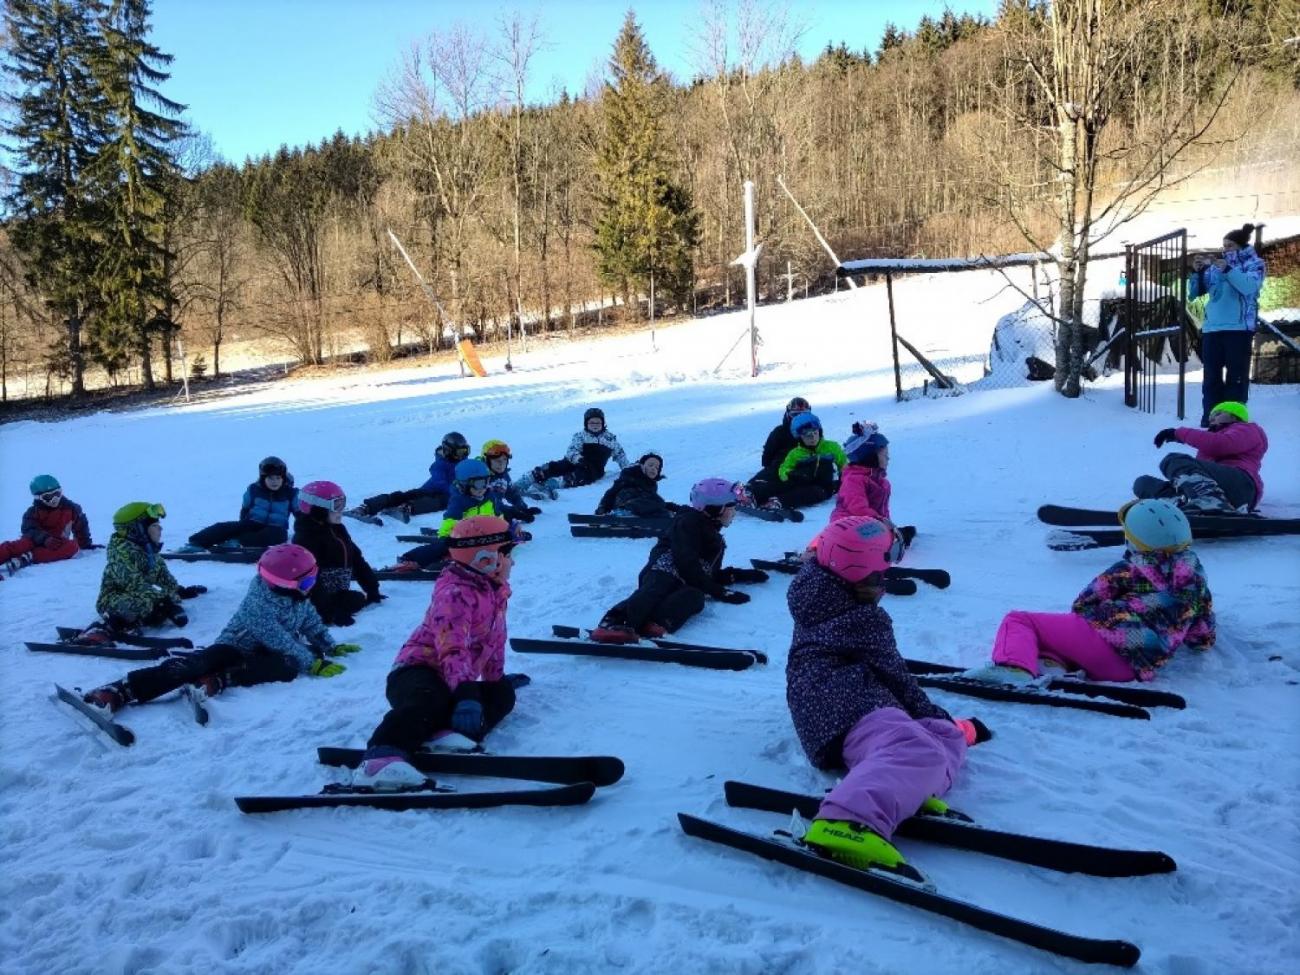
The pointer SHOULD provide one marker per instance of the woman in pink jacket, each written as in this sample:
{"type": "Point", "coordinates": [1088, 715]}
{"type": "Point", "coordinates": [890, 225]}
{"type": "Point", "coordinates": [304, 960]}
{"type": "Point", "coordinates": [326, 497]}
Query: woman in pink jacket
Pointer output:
{"type": "Point", "coordinates": [1224, 474]}
{"type": "Point", "coordinates": [450, 673]}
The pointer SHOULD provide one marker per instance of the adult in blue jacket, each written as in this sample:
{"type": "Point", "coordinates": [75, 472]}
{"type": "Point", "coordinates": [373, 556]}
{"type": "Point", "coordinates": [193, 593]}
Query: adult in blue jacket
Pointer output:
{"type": "Point", "coordinates": [1232, 282]}
{"type": "Point", "coordinates": [430, 496]}
{"type": "Point", "coordinates": [263, 514]}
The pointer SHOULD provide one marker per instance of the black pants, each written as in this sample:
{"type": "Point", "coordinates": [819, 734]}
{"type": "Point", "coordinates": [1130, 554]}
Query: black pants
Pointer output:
{"type": "Point", "coordinates": [248, 533]}
{"type": "Point", "coordinates": [422, 502]}
{"type": "Point", "coordinates": [767, 485]}
{"type": "Point", "coordinates": [425, 555]}
{"type": "Point", "coordinates": [1226, 357]}
{"type": "Point", "coordinates": [239, 668]}
{"type": "Point", "coordinates": [1237, 485]}
{"type": "Point", "coordinates": [573, 475]}
{"type": "Point", "coordinates": [421, 704]}
{"type": "Point", "coordinates": [335, 607]}
{"type": "Point", "coordinates": [660, 597]}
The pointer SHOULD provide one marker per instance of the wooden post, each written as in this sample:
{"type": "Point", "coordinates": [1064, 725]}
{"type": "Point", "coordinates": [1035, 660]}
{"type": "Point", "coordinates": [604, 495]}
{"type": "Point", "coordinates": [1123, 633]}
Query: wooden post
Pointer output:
{"type": "Point", "coordinates": [893, 335]}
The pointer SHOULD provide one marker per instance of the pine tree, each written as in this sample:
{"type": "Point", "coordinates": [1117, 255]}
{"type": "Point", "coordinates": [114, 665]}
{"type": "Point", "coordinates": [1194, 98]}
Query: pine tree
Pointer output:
{"type": "Point", "coordinates": [136, 167]}
{"type": "Point", "coordinates": [647, 224]}
{"type": "Point", "coordinates": [59, 117]}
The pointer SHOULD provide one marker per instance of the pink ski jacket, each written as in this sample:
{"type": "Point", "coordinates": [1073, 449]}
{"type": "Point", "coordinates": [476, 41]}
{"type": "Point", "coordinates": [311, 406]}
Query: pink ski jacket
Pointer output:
{"type": "Point", "coordinates": [463, 633]}
{"type": "Point", "coordinates": [863, 491]}
{"type": "Point", "coordinates": [1239, 445]}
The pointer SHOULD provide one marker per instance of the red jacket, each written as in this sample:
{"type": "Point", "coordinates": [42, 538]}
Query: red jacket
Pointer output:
{"type": "Point", "coordinates": [65, 520]}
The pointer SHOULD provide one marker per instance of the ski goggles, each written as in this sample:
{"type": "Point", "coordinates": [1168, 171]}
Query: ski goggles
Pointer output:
{"type": "Point", "coordinates": [896, 548]}
{"type": "Point", "coordinates": [306, 582]}
{"type": "Point", "coordinates": [476, 484]}
{"type": "Point", "coordinates": [338, 504]}
{"type": "Point", "coordinates": [456, 453]}
{"type": "Point", "coordinates": [51, 497]}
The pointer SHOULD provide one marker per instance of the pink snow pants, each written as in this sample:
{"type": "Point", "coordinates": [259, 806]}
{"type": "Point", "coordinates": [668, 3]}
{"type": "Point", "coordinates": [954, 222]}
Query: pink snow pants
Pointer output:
{"type": "Point", "coordinates": [895, 763]}
{"type": "Point", "coordinates": [1073, 641]}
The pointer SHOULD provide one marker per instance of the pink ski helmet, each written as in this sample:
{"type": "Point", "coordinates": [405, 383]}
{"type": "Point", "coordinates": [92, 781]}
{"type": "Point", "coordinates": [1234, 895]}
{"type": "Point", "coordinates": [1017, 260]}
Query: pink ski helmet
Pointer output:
{"type": "Point", "coordinates": [288, 567]}
{"type": "Point", "coordinates": [480, 542]}
{"type": "Point", "coordinates": [713, 492]}
{"type": "Point", "coordinates": [853, 548]}
{"type": "Point", "coordinates": [321, 494]}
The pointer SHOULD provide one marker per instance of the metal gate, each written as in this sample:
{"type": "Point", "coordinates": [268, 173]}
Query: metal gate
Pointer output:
{"type": "Point", "coordinates": [1156, 324]}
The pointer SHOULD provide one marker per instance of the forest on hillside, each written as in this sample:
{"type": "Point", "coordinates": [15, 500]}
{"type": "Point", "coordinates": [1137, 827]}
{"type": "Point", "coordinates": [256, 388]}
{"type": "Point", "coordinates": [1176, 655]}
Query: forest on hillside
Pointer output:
{"type": "Point", "coordinates": [942, 141]}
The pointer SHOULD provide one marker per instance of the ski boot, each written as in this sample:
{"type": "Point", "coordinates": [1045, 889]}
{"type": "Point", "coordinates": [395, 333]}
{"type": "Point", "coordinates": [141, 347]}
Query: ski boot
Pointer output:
{"type": "Point", "coordinates": [110, 698]}
{"type": "Point", "coordinates": [401, 512]}
{"type": "Point", "coordinates": [651, 630]}
{"type": "Point", "coordinates": [614, 633]}
{"type": "Point", "coordinates": [1004, 674]}
{"type": "Point", "coordinates": [407, 566]}
{"type": "Point", "coordinates": [388, 769]}
{"type": "Point", "coordinates": [209, 685]}
{"type": "Point", "coordinates": [856, 846]}
{"type": "Point", "coordinates": [1200, 494]}
{"type": "Point", "coordinates": [17, 563]}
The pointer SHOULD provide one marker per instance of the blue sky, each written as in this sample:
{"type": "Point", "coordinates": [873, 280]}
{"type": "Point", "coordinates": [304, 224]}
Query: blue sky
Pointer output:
{"type": "Point", "coordinates": [260, 73]}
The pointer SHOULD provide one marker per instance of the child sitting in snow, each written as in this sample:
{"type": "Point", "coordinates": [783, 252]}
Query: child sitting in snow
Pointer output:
{"type": "Point", "coordinates": [854, 703]}
{"type": "Point", "coordinates": [583, 463]}
{"type": "Point", "coordinates": [137, 589]}
{"type": "Point", "coordinates": [1224, 475]}
{"type": "Point", "coordinates": [429, 496]}
{"type": "Point", "coordinates": [510, 503]}
{"type": "Point", "coordinates": [53, 528]}
{"type": "Point", "coordinates": [864, 486]}
{"type": "Point", "coordinates": [1130, 619]}
{"type": "Point", "coordinates": [450, 675]}
{"type": "Point", "coordinates": [635, 492]}
{"type": "Point", "coordinates": [319, 529]}
{"type": "Point", "coordinates": [782, 439]}
{"type": "Point", "coordinates": [470, 498]}
{"type": "Point", "coordinates": [263, 515]}
{"type": "Point", "coordinates": [810, 472]}
{"type": "Point", "coordinates": [275, 635]}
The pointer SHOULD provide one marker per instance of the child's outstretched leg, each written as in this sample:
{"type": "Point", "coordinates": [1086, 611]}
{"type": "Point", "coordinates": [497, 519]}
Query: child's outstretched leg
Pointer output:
{"type": "Point", "coordinates": [895, 763]}
{"type": "Point", "coordinates": [1064, 637]}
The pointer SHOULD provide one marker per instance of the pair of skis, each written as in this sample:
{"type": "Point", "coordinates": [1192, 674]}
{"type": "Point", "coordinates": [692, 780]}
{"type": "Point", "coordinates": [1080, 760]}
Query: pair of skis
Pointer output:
{"type": "Point", "coordinates": [626, 526]}
{"type": "Point", "coordinates": [897, 577]}
{"type": "Point", "coordinates": [1080, 536]}
{"type": "Point", "coordinates": [665, 651]}
{"type": "Point", "coordinates": [120, 733]}
{"type": "Point", "coordinates": [123, 647]}
{"type": "Point", "coordinates": [575, 780]}
{"type": "Point", "coordinates": [957, 831]}
{"type": "Point", "coordinates": [238, 556]}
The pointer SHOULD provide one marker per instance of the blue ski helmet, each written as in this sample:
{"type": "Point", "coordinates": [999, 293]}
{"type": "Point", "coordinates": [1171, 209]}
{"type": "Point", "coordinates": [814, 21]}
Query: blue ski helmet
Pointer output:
{"type": "Point", "coordinates": [44, 483]}
{"type": "Point", "coordinates": [1155, 525]}
{"type": "Point", "coordinates": [805, 421]}
{"type": "Point", "coordinates": [862, 450]}
{"type": "Point", "coordinates": [470, 469]}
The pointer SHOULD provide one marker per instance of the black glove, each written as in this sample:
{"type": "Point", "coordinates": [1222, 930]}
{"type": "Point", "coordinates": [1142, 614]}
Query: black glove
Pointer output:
{"type": "Point", "coordinates": [525, 516]}
{"type": "Point", "coordinates": [1166, 435]}
{"type": "Point", "coordinates": [467, 719]}
{"type": "Point", "coordinates": [91, 546]}
{"type": "Point", "coordinates": [375, 597]}
{"type": "Point", "coordinates": [733, 597]}
{"type": "Point", "coordinates": [533, 510]}
{"type": "Point", "coordinates": [518, 680]}
{"type": "Point", "coordinates": [176, 614]}
{"type": "Point", "coordinates": [982, 732]}
{"type": "Point", "coordinates": [189, 592]}
{"type": "Point", "coordinates": [730, 576]}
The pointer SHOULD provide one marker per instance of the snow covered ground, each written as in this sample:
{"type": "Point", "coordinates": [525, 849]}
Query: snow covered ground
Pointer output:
{"type": "Point", "coordinates": [137, 861]}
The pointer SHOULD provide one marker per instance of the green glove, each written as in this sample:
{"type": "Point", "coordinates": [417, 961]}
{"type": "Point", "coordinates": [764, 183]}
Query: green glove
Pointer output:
{"type": "Point", "coordinates": [343, 649]}
{"type": "Point", "coordinates": [324, 668]}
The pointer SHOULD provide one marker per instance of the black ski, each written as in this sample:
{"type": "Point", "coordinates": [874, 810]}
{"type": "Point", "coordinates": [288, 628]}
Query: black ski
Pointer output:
{"type": "Point", "coordinates": [1096, 950]}
{"type": "Point", "coordinates": [362, 516]}
{"type": "Point", "coordinates": [1141, 696]}
{"type": "Point", "coordinates": [770, 514]}
{"type": "Point", "coordinates": [599, 770]}
{"type": "Point", "coordinates": [711, 660]}
{"type": "Point", "coordinates": [957, 831]}
{"type": "Point", "coordinates": [939, 578]}
{"type": "Point", "coordinates": [562, 795]}
{"type": "Point", "coordinates": [1029, 695]}
{"type": "Point", "coordinates": [610, 531]}
{"type": "Point", "coordinates": [574, 633]}
{"type": "Point", "coordinates": [1081, 539]}
{"type": "Point", "coordinates": [107, 650]}
{"type": "Point", "coordinates": [121, 734]}
{"type": "Point", "coordinates": [421, 539]}
{"type": "Point", "coordinates": [1238, 524]}
{"type": "Point", "coordinates": [895, 586]}
{"type": "Point", "coordinates": [427, 574]}
{"type": "Point", "coordinates": [238, 556]}
{"type": "Point", "coordinates": [1056, 514]}
{"type": "Point", "coordinates": [621, 521]}
{"type": "Point", "coordinates": [69, 634]}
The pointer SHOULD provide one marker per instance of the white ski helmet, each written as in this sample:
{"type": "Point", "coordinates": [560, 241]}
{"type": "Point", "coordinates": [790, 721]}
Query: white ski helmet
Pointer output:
{"type": "Point", "coordinates": [1155, 525]}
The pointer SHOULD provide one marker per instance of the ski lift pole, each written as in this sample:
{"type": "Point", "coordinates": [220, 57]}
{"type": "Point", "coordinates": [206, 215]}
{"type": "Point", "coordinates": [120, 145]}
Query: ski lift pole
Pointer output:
{"type": "Point", "coordinates": [424, 285]}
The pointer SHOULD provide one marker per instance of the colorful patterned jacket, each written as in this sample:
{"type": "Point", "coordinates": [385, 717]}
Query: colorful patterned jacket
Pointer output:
{"type": "Point", "coordinates": [593, 451]}
{"type": "Point", "coordinates": [41, 522]}
{"type": "Point", "coordinates": [1147, 605]}
{"type": "Point", "coordinates": [136, 579]}
{"type": "Point", "coordinates": [843, 665]}
{"type": "Point", "coordinates": [463, 633]}
{"type": "Point", "coordinates": [279, 622]}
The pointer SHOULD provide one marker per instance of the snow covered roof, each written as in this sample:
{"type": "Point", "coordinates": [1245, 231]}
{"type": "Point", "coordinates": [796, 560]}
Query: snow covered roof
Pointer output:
{"type": "Point", "coordinates": [921, 265]}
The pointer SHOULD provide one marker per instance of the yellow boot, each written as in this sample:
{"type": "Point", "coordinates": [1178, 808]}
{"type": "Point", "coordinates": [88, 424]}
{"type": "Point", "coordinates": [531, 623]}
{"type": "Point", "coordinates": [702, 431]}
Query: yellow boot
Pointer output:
{"type": "Point", "coordinates": [852, 845]}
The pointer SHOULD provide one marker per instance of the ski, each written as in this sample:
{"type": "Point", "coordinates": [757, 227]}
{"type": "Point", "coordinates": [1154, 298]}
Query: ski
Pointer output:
{"type": "Point", "coordinates": [238, 556]}
{"type": "Point", "coordinates": [574, 633]}
{"type": "Point", "coordinates": [599, 770]}
{"type": "Point", "coordinates": [573, 794]}
{"type": "Point", "coordinates": [621, 521]}
{"type": "Point", "coordinates": [69, 634]}
{"type": "Point", "coordinates": [959, 832]}
{"type": "Point", "coordinates": [770, 514]}
{"type": "Point", "coordinates": [1239, 524]}
{"type": "Point", "coordinates": [418, 539]}
{"type": "Point", "coordinates": [1081, 539]}
{"type": "Point", "coordinates": [1204, 528]}
{"type": "Point", "coordinates": [106, 650]}
{"type": "Point", "coordinates": [121, 734]}
{"type": "Point", "coordinates": [1029, 695]}
{"type": "Point", "coordinates": [196, 699]}
{"type": "Point", "coordinates": [939, 578]}
{"type": "Point", "coordinates": [362, 516]}
{"type": "Point", "coordinates": [711, 660]}
{"type": "Point", "coordinates": [609, 531]}
{"type": "Point", "coordinates": [1056, 514]}
{"type": "Point", "coordinates": [423, 575]}
{"type": "Point", "coordinates": [1141, 696]}
{"type": "Point", "coordinates": [1112, 952]}
{"type": "Point", "coordinates": [894, 585]}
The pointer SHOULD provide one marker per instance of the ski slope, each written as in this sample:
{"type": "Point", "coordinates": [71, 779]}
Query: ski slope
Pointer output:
{"type": "Point", "coordinates": [136, 860]}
